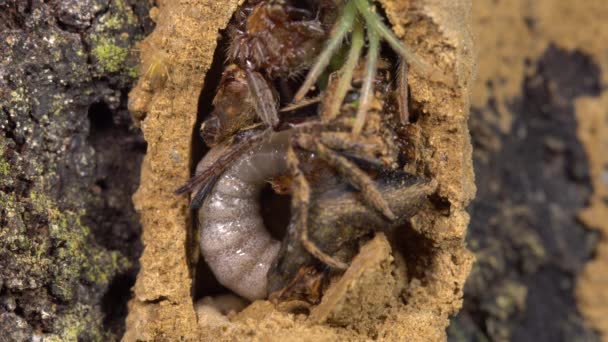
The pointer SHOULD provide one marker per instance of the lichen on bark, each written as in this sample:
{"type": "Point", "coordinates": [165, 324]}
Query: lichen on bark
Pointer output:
{"type": "Point", "coordinates": [58, 258]}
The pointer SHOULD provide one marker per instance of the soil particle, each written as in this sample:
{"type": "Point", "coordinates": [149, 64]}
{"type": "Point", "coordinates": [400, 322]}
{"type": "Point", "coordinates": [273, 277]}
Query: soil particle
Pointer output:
{"type": "Point", "coordinates": [370, 284]}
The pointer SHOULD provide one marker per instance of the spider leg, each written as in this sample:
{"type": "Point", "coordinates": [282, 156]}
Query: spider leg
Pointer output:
{"type": "Point", "coordinates": [345, 142]}
{"type": "Point", "coordinates": [338, 33]}
{"type": "Point", "coordinates": [402, 93]}
{"type": "Point", "coordinates": [376, 31]}
{"type": "Point", "coordinates": [200, 183]}
{"type": "Point", "coordinates": [263, 98]}
{"type": "Point", "coordinates": [201, 194]}
{"type": "Point", "coordinates": [367, 90]}
{"type": "Point", "coordinates": [300, 203]}
{"type": "Point", "coordinates": [346, 75]}
{"type": "Point", "coordinates": [374, 23]}
{"type": "Point", "coordinates": [351, 172]}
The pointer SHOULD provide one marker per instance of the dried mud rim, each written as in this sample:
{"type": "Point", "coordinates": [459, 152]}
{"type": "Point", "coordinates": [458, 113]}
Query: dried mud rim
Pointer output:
{"type": "Point", "coordinates": [375, 301]}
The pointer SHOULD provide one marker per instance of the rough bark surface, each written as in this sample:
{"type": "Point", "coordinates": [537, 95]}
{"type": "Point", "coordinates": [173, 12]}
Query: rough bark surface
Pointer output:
{"type": "Point", "coordinates": [69, 161]}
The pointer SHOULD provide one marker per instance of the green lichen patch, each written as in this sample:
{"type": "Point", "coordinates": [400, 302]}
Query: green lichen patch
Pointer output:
{"type": "Point", "coordinates": [111, 57]}
{"type": "Point", "coordinates": [75, 325]}
{"type": "Point", "coordinates": [113, 39]}
{"type": "Point", "coordinates": [5, 167]}
{"type": "Point", "coordinates": [55, 250]}
{"type": "Point", "coordinates": [76, 259]}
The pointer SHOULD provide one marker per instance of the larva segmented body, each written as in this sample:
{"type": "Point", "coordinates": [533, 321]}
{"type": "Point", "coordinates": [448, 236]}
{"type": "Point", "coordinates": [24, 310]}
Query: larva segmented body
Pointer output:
{"type": "Point", "coordinates": [233, 238]}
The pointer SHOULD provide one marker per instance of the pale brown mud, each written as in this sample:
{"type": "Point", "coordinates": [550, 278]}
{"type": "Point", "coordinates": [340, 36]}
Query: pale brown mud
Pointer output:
{"type": "Point", "coordinates": [395, 294]}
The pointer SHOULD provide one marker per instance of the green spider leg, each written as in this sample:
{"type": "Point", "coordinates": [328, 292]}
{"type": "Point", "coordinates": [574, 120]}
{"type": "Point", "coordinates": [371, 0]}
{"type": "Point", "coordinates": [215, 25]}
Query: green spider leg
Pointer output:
{"type": "Point", "coordinates": [367, 90]}
{"type": "Point", "coordinates": [374, 22]}
{"type": "Point", "coordinates": [344, 24]}
{"type": "Point", "coordinates": [346, 74]}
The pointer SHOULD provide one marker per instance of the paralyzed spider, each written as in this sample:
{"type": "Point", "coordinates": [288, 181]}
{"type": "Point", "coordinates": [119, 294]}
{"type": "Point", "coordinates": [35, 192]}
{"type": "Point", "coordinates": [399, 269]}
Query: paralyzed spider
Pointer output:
{"type": "Point", "coordinates": [328, 221]}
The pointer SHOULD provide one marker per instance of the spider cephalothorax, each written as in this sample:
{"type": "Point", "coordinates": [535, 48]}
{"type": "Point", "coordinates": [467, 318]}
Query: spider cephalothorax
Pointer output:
{"type": "Point", "coordinates": [276, 39]}
{"type": "Point", "coordinates": [273, 40]}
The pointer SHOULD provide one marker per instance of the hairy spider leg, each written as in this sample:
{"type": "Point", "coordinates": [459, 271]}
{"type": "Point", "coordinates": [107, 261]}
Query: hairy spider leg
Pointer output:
{"type": "Point", "coordinates": [349, 170]}
{"type": "Point", "coordinates": [367, 91]}
{"type": "Point", "coordinates": [300, 203]}
{"type": "Point", "coordinates": [346, 75]}
{"type": "Point", "coordinates": [374, 22]}
{"type": "Point", "coordinates": [337, 35]}
{"type": "Point", "coordinates": [263, 98]}
{"type": "Point", "coordinates": [402, 92]}
{"type": "Point", "coordinates": [207, 177]}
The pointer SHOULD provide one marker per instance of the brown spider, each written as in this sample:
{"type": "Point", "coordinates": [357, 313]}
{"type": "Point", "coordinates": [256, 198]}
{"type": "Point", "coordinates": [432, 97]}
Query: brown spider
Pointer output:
{"type": "Point", "coordinates": [328, 219]}
{"type": "Point", "coordinates": [335, 145]}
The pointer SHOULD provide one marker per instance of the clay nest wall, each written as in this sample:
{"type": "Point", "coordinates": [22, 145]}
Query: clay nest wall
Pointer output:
{"type": "Point", "coordinates": [376, 298]}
